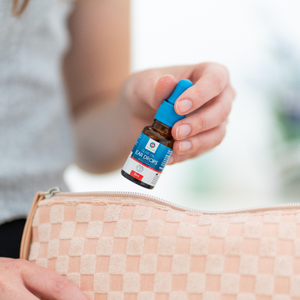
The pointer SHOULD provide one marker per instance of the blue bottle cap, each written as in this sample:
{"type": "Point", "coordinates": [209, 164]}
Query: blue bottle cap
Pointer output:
{"type": "Point", "coordinates": [166, 112]}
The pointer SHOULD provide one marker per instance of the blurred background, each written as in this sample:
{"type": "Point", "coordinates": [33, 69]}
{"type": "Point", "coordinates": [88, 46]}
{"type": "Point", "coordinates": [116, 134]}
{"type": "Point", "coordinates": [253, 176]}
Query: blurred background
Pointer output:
{"type": "Point", "coordinates": [258, 163]}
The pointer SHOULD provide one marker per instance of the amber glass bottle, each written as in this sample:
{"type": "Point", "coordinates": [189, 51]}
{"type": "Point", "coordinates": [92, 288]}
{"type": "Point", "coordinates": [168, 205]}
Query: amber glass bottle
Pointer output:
{"type": "Point", "coordinates": [158, 132]}
{"type": "Point", "coordinates": [155, 144]}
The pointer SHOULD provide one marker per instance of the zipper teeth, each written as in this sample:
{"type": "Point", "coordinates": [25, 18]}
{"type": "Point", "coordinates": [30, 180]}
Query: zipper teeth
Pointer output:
{"type": "Point", "coordinates": [181, 207]}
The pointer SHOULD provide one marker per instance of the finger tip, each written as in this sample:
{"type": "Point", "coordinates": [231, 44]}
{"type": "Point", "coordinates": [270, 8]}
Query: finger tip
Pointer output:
{"type": "Point", "coordinates": [183, 106]}
{"type": "Point", "coordinates": [169, 76]}
{"type": "Point", "coordinates": [171, 160]}
{"type": "Point", "coordinates": [176, 108]}
{"type": "Point", "coordinates": [167, 80]}
{"type": "Point", "coordinates": [164, 87]}
{"type": "Point", "coordinates": [174, 132]}
{"type": "Point", "coordinates": [176, 147]}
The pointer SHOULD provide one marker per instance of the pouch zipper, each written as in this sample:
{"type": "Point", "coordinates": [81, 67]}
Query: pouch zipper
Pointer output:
{"type": "Point", "coordinates": [51, 192]}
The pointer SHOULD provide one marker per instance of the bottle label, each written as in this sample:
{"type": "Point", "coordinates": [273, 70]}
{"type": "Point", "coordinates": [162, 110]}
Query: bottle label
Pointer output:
{"type": "Point", "coordinates": [147, 160]}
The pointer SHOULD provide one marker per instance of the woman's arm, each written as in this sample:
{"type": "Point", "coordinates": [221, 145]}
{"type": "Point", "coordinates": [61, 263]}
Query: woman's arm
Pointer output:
{"type": "Point", "coordinates": [95, 67]}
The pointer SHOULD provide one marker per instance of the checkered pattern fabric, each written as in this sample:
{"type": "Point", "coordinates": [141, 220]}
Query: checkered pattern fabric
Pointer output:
{"type": "Point", "coordinates": [116, 249]}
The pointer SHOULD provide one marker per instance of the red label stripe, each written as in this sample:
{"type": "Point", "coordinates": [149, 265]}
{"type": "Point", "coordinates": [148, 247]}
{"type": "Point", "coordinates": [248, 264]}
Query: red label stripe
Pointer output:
{"type": "Point", "coordinates": [146, 165]}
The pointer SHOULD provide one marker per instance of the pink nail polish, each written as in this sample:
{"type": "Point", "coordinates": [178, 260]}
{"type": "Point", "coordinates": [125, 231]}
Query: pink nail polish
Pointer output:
{"type": "Point", "coordinates": [184, 130]}
{"type": "Point", "coordinates": [185, 146]}
{"type": "Point", "coordinates": [184, 105]}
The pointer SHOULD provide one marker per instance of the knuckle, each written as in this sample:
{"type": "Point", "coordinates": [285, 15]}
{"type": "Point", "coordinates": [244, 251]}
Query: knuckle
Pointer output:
{"type": "Point", "coordinates": [218, 141]}
{"type": "Point", "coordinates": [60, 284]}
{"type": "Point", "coordinates": [220, 77]}
{"type": "Point", "coordinates": [201, 145]}
{"type": "Point", "coordinates": [150, 77]}
{"type": "Point", "coordinates": [201, 124]}
{"type": "Point", "coordinates": [225, 70]}
{"type": "Point", "coordinates": [198, 143]}
{"type": "Point", "coordinates": [15, 264]}
{"type": "Point", "coordinates": [217, 81]}
{"type": "Point", "coordinates": [4, 287]}
{"type": "Point", "coordinates": [10, 273]}
{"type": "Point", "coordinates": [221, 135]}
{"type": "Point", "coordinates": [233, 92]}
{"type": "Point", "coordinates": [226, 109]}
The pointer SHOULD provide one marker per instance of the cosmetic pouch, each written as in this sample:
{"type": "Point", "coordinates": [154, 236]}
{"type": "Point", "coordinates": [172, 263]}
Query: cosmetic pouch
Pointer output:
{"type": "Point", "coordinates": [125, 246]}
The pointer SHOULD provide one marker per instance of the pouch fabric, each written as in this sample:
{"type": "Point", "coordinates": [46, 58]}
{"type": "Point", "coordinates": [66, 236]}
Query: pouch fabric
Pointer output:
{"type": "Point", "coordinates": [120, 246]}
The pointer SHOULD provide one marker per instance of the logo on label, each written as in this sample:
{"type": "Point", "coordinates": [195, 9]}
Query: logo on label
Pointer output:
{"type": "Point", "coordinates": [152, 145]}
{"type": "Point", "coordinates": [139, 168]}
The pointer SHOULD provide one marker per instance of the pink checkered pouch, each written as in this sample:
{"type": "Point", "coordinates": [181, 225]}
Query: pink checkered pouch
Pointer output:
{"type": "Point", "coordinates": [124, 246]}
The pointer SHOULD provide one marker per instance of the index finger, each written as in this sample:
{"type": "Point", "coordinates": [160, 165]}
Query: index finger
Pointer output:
{"type": "Point", "coordinates": [50, 284]}
{"type": "Point", "coordinates": [210, 83]}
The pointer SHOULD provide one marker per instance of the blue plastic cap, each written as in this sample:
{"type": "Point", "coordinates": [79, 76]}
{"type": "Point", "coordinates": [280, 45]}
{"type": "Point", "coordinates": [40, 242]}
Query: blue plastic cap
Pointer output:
{"type": "Point", "coordinates": [181, 86]}
{"type": "Point", "coordinates": [166, 112]}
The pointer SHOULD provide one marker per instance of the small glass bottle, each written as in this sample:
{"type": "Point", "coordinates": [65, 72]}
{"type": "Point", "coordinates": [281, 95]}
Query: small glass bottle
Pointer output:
{"type": "Point", "coordinates": [154, 146]}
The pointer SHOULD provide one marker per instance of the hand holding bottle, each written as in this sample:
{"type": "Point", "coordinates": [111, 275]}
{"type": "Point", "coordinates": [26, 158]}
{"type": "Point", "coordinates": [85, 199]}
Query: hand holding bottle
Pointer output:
{"type": "Point", "coordinates": [154, 147]}
{"type": "Point", "coordinates": [207, 105]}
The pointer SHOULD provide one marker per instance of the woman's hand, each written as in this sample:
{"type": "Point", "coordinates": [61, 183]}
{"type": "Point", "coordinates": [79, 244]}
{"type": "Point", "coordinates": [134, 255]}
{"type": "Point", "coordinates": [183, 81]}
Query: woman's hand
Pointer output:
{"type": "Point", "coordinates": [207, 105]}
{"type": "Point", "coordinates": [22, 280]}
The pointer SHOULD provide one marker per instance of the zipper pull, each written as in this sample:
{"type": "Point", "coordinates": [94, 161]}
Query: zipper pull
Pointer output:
{"type": "Point", "coordinates": [50, 193]}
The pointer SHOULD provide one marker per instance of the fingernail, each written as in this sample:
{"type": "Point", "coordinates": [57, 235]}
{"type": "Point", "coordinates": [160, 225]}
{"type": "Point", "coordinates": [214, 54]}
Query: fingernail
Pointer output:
{"type": "Point", "coordinates": [184, 105]}
{"type": "Point", "coordinates": [185, 146]}
{"type": "Point", "coordinates": [170, 160]}
{"type": "Point", "coordinates": [184, 130]}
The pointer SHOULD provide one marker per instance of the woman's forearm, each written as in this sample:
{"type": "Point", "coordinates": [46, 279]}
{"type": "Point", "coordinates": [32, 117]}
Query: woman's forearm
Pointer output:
{"type": "Point", "coordinates": [104, 135]}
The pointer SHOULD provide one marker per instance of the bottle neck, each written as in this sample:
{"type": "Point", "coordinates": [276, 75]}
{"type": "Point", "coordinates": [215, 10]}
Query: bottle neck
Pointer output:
{"type": "Point", "coordinates": [159, 126]}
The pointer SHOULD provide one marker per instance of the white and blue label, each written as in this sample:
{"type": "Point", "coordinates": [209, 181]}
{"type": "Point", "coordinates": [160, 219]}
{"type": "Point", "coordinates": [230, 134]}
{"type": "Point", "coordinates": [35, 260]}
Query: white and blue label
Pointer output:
{"type": "Point", "coordinates": [147, 160]}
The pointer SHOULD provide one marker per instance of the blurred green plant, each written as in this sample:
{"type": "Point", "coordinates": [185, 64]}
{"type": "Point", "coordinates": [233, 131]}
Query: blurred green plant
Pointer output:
{"type": "Point", "coordinates": [284, 96]}
{"type": "Point", "coordinates": [285, 93]}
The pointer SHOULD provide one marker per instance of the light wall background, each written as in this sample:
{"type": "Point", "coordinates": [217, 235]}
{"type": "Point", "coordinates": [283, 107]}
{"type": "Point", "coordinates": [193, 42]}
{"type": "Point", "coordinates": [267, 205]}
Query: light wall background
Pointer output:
{"type": "Point", "coordinates": [243, 171]}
